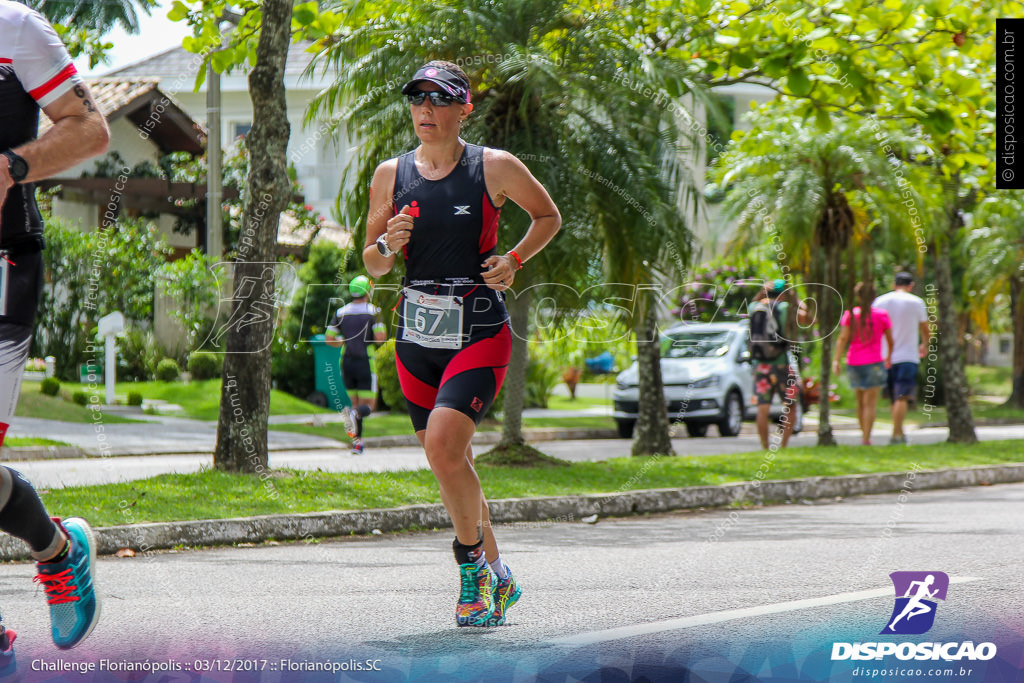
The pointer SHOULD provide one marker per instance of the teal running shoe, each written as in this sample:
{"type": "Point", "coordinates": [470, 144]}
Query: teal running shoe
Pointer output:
{"type": "Point", "coordinates": [476, 599]}
{"type": "Point", "coordinates": [8, 664]}
{"type": "Point", "coordinates": [68, 584]}
{"type": "Point", "coordinates": [506, 594]}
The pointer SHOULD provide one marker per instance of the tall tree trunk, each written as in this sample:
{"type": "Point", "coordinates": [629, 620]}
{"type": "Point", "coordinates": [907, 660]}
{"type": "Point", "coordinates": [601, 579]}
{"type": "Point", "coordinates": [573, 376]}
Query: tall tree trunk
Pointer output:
{"type": "Point", "coordinates": [652, 430]}
{"type": "Point", "coordinates": [951, 352]}
{"type": "Point", "coordinates": [827, 317]}
{"type": "Point", "coordinates": [515, 378]}
{"type": "Point", "coordinates": [1016, 399]}
{"type": "Point", "coordinates": [245, 389]}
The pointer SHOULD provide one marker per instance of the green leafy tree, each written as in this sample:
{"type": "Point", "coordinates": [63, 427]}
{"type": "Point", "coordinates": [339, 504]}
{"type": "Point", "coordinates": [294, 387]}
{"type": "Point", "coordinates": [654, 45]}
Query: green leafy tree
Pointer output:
{"type": "Point", "coordinates": [259, 40]}
{"type": "Point", "coordinates": [193, 283]}
{"type": "Point", "coordinates": [91, 274]}
{"type": "Point", "coordinates": [996, 249]}
{"type": "Point", "coordinates": [82, 24]}
{"type": "Point", "coordinates": [547, 88]}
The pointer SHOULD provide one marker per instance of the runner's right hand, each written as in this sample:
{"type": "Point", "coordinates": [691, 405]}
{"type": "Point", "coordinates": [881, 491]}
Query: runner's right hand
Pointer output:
{"type": "Point", "coordinates": [399, 230]}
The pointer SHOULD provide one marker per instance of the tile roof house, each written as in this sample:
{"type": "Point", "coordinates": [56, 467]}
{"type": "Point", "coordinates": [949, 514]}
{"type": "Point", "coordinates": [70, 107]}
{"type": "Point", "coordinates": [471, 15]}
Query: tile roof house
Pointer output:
{"type": "Point", "coordinates": [319, 162]}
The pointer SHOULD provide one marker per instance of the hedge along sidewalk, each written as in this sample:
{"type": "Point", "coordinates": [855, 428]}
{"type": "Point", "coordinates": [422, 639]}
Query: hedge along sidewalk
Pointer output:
{"type": "Point", "coordinates": [162, 535]}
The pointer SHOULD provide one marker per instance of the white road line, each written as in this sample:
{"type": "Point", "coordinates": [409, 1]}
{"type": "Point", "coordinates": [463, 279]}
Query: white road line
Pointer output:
{"type": "Point", "coordinates": [727, 615]}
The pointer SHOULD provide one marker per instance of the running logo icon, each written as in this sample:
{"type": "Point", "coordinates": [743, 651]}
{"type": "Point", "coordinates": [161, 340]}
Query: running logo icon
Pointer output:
{"type": "Point", "coordinates": [916, 595]}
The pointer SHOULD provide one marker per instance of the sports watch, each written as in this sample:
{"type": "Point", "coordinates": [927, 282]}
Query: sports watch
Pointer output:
{"type": "Point", "coordinates": [18, 166]}
{"type": "Point", "coordinates": [382, 246]}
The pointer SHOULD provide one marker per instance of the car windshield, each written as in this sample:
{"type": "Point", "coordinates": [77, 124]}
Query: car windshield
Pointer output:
{"type": "Point", "coordinates": [695, 344]}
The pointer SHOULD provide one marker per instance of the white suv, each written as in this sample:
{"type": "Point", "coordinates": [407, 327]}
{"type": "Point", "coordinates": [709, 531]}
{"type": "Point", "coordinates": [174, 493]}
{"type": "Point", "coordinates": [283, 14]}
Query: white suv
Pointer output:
{"type": "Point", "coordinates": [708, 377]}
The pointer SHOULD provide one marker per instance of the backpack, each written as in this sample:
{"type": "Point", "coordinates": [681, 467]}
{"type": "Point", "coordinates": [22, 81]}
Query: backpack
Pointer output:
{"type": "Point", "coordinates": [765, 343]}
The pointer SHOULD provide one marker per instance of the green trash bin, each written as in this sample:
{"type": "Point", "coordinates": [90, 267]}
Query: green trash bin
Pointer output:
{"type": "Point", "coordinates": [90, 374]}
{"type": "Point", "coordinates": [330, 388]}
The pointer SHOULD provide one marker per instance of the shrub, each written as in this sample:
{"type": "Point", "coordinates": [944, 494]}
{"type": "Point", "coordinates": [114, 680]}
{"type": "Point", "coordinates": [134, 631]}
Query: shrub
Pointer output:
{"type": "Point", "coordinates": [80, 397]}
{"type": "Point", "coordinates": [541, 380]}
{"type": "Point", "coordinates": [291, 364]}
{"type": "Point", "coordinates": [137, 355]}
{"type": "Point", "coordinates": [50, 386]}
{"type": "Point", "coordinates": [387, 377]}
{"type": "Point", "coordinates": [204, 365]}
{"type": "Point", "coordinates": [194, 284]}
{"type": "Point", "coordinates": [76, 287]}
{"type": "Point", "coordinates": [134, 398]}
{"type": "Point", "coordinates": [167, 370]}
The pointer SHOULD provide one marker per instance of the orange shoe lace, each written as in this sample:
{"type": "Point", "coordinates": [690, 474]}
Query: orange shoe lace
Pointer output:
{"type": "Point", "coordinates": [58, 587]}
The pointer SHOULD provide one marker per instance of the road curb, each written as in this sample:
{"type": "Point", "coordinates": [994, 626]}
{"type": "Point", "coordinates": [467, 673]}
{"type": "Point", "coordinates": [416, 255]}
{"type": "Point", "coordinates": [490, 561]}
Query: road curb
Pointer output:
{"type": "Point", "coordinates": [162, 535]}
{"type": "Point", "coordinates": [23, 453]}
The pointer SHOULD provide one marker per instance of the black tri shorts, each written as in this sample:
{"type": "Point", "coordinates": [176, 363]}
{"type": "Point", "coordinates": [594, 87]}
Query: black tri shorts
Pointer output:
{"type": "Point", "coordinates": [466, 379]}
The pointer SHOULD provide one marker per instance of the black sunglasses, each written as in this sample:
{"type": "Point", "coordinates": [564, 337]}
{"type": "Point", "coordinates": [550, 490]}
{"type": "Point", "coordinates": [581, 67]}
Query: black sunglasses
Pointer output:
{"type": "Point", "coordinates": [437, 98]}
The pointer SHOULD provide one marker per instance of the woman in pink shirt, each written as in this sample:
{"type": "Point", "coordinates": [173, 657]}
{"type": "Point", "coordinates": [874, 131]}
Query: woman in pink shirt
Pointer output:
{"type": "Point", "coordinates": [865, 367]}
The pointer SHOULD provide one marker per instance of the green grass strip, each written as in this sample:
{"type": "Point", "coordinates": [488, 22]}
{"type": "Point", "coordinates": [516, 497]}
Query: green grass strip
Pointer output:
{"type": "Point", "coordinates": [212, 494]}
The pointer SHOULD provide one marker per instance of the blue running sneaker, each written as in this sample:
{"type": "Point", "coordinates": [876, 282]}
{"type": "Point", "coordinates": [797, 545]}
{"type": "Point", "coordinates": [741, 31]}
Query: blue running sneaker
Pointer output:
{"type": "Point", "coordinates": [8, 664]}
{"type": "Point", "coordinates": [476, 599]}
{"type": "Point", "coordinates": [74, 605]}
{"type": "Point", "coordinates": [506, 594]}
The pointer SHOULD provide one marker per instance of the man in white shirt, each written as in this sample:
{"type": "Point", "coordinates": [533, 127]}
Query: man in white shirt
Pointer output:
{"type": "Point", "coordinates": [910, 333]}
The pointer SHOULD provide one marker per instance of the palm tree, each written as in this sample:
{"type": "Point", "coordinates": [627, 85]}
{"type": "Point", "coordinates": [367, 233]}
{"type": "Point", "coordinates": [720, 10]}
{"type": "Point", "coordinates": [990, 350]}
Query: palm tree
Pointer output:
{"type": "Point", "coordinates": [547, 87]}
{"type": "Point", "coordinates": [816, 193]}
{"type": "Point", "coordinates": [97, 15]}
{"type": "Point", "coordinates": [996, 252]}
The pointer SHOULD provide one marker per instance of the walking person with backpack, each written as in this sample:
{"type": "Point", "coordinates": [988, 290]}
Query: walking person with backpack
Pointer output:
{"type": "Point", "coordinates": [769, 348]}
{"type": "Point", "coordinates": [862, 329]}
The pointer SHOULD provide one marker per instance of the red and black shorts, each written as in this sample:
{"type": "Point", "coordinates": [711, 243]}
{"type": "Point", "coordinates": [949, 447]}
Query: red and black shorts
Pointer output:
{"type": "Point", "coordinates": [466, 379]}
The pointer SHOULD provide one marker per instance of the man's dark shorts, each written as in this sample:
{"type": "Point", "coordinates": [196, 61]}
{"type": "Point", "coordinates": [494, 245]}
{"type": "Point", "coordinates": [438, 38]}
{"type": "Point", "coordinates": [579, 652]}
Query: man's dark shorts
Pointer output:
{"type": "Point", "coordinates": [902, 381]}
{"type": "Point", "coordinates": [355, 372]}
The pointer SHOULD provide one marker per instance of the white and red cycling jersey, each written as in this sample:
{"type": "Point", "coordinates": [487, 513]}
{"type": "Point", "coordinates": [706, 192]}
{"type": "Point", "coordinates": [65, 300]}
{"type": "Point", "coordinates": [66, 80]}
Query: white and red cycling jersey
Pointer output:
{"type": "Point", "coordinates": [35, 70]}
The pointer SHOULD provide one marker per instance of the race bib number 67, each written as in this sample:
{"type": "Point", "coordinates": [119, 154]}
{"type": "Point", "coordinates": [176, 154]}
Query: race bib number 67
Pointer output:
{"type": "Point", "coordinates": [432, 321]}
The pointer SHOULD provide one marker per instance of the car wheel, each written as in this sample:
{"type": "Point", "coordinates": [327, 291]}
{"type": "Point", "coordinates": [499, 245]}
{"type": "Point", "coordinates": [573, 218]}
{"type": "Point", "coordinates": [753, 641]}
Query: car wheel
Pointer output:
{"type": "Point", "coordinates": [732, 415]}
{"type": "Point", "coordinates": [625, 428]}
{"type": "Point", "coordinates": [697, 429]}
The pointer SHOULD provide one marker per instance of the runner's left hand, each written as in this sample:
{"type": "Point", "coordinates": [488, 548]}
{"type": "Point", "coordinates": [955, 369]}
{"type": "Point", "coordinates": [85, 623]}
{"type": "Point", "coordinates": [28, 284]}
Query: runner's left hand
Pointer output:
{"type": "Point", "coordinates": [500, 274]}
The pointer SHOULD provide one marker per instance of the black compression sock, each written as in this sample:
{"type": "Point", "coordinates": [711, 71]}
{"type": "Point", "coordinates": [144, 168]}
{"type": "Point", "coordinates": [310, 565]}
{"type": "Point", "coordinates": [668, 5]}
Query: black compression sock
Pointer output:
{"type": "Point", "coordinates": [468, 554]}
{"type": "Point", "coordinates": [24, 516]}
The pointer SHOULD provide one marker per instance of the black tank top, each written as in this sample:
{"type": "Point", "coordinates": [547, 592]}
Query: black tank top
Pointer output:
{"type": "Point", "coordinates": [455, 225]}
{"type": "Point", "coordinates": [455, 228]}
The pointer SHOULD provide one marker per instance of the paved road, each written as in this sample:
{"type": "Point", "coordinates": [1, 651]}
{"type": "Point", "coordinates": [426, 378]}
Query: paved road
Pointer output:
{"type": "Point", "coordinates": [769, 597]}
{"type": "Point", "coordinates": [57, 473]}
